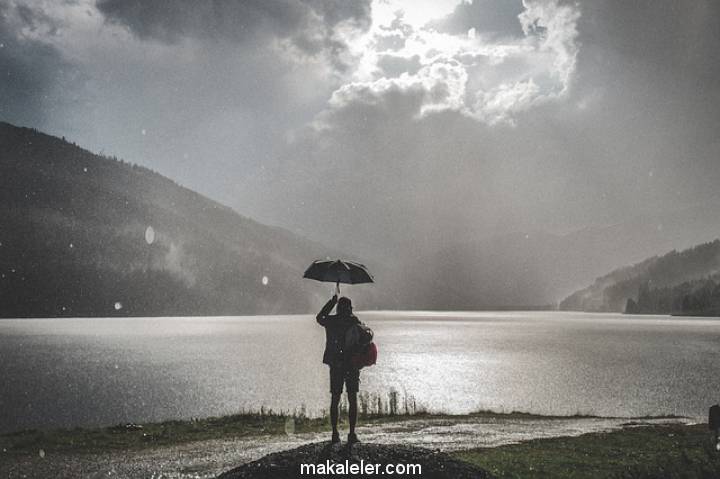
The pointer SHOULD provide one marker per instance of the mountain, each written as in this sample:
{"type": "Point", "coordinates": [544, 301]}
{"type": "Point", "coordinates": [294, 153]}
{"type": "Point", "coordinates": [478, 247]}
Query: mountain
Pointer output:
{"type": "Point", "coordinates": [72, 243]}
{"type": "Point", "coordinates": [660, 284]}
{"type": "Point", "coordinates": [74, 231]}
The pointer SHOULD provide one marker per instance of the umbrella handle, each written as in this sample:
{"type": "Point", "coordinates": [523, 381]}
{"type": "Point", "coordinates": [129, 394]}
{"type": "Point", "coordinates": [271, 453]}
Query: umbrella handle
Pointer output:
{"type": "Point", "coordinates": [337, 288]}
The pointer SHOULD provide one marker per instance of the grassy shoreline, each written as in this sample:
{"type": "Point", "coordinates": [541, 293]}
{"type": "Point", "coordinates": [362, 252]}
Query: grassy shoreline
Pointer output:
{"type": "Point", "coordinates": [650, 451]}
{"type": "Point", "coordinates": [242, 425]}
{"type": "Point", "coordinates": [637, 451]}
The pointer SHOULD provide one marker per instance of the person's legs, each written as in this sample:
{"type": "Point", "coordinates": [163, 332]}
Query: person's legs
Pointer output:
{"type": "Point", "coordinates": [336, 387]}
{"type": "Point", "coordinates": [352, 411]}
{"type": "Point", "coordinates": [352, 381]}
{"type": "Point", "coordinates": [334, 403]}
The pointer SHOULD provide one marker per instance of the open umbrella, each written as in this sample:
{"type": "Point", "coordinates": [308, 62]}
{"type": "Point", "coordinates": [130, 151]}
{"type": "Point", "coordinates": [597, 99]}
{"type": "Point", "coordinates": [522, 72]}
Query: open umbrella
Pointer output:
{"type": "Point", "coordinates": [338, 271]}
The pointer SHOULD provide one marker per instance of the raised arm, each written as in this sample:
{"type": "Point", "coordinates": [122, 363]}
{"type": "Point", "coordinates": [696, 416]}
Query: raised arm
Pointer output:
{"type": "Point", "coordinates": [322, 316]}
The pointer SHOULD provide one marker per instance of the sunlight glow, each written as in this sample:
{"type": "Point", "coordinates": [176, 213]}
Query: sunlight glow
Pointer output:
{"type": "Point", "coordinates": [472, 72]}
{"type": "Point", "coordinates": [415, 12]}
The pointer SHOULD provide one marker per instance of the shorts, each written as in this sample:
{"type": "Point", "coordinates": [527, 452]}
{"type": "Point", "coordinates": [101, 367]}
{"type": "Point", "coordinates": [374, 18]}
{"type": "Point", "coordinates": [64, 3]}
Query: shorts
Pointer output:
{"type": "Point", "coordinates": [349, 376]}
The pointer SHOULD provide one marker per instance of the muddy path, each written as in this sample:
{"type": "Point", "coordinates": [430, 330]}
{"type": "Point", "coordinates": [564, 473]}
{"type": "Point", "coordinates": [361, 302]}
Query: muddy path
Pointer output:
{"type": "Point", "coordinates": [206, 459]}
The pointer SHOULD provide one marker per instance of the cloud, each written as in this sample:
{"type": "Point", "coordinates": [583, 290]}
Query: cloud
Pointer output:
{"type": "Point", "coordinates": [442, 136]}
{"type": "Point", "coordinates": [486, 78]}
{"type": "Point", "coordinates": [175, 20]}
{"type": "Point", "coordinates": [307, 26]}
{"type": "Point", "coordinates": [490, 18]}
{"type": "Point", "coordinates": [438, 85]}
{"type": "Point", "coordinates": [556, 24]}
{"type": "Point", "coordinates": [393, 66]}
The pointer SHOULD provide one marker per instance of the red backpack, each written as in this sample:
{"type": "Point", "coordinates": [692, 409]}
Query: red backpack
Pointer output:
{"type": "Point", "coordinates": [359, 340]}
{"type": "Point", "coordinates": [367, 356]}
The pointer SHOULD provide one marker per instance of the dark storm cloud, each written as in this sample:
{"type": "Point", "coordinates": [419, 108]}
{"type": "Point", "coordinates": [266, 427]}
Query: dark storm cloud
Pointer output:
{"type": "Point", "coordinates": [177, 19]}
{"type": "Point", "coordinates": [36, 81]}
{"type": "Point", "coordinates": [308, 24]}
{"type": "Point", "coordinates": [34, 19]}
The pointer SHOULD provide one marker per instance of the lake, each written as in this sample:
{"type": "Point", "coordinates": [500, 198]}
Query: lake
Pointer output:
{"type": "Point", "coordinates": [84, 372]}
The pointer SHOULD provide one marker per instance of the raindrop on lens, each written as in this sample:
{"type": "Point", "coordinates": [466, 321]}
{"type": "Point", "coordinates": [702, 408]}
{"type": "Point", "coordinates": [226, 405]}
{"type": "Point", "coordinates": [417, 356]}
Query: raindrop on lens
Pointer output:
{"type": "Point", "coordinates": [149, 235]}
{"type": "Point", "coordinates": [290, 426]}
{"type": "Point", "coordinates": [265, 280]}
{"type": "Point", "coordinates": [118, 306]}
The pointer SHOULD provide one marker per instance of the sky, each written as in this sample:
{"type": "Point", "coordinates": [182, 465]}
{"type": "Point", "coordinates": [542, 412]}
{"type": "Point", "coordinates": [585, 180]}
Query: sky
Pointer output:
{"type": "Point", "coordinates": [386, 126]}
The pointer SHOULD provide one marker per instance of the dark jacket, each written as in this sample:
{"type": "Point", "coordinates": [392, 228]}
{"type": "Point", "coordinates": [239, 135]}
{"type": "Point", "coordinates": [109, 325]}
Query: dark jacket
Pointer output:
{"type": "Point", "coordinates": [335, 328]}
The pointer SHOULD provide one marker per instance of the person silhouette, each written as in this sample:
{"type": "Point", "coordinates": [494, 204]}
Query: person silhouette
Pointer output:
{"type": "Point", "coordinates": [338, 359]}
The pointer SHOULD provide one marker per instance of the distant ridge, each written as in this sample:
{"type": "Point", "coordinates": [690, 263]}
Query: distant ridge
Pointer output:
{"type": "Point", "coordinates": [684, 282]}
{"type": "Point", "coordinates": [72, 241]}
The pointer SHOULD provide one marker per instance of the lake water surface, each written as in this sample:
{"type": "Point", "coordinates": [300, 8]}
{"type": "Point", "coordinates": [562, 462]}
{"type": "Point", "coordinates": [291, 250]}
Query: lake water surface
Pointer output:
{"type": "Point", "coordinates": [82, 372]}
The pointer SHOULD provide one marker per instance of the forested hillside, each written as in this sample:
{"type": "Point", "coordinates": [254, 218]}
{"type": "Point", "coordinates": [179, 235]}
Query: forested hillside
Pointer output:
{"type": "Point", "coordinates": [678, 282]}
{"type": "Point", "coordinates": [75, 241]}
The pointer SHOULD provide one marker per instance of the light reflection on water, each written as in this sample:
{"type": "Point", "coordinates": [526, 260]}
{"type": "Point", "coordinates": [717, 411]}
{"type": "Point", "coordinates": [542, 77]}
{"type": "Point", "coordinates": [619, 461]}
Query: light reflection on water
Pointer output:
{"type": "Point", "coordinates": [67, 372]}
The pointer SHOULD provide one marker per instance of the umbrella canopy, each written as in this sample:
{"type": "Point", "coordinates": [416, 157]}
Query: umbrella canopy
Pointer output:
{"type": "Point", "coordinates": [338, 271]}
